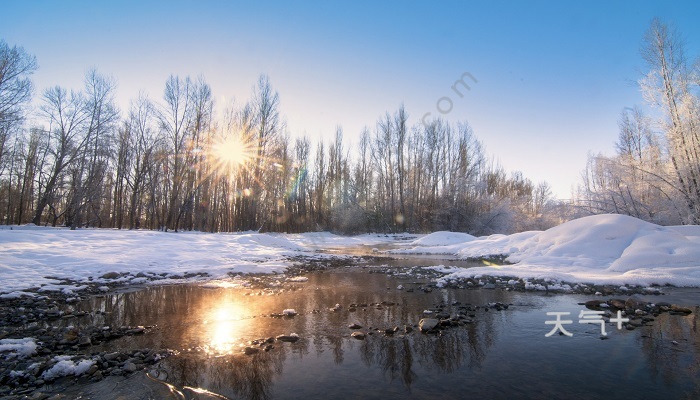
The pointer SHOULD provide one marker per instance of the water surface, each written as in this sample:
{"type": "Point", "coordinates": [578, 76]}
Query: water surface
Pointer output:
{"type": "Point", "coordinates": [500, 354]}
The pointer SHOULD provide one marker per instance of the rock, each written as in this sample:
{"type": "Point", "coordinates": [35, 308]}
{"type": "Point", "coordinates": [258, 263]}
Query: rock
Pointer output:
{"type": "Point", "coordinates": [408, 329]}
{"type": "Point", "coordinates": [290, 312]}
{"type": "Point", "coordinates": [135, 330]}
{"type": "Point", "coordinates": [636, 323]}
{"type": "Point", "coordinates": [94, 368]}
{"type": "Point", "coordinates": [634, 303]}
{"type": "Point", "coordinates": [288, 338]}
{"type": "Point", "coordinates": [678, 309]}
{"type": "Point", "coordinates": [110, 275]}
{"type": "Point", "coordinates": [250, 350]}
{"type": "Point", "coordinates": [489, 286]}
{"type": "Point", "coordinates": [593, 304]}
{"type": "Point", "coordinates": [84, 341]}
{"type": "Point", "coordinates": [129, 367]}
{"type": "Point", "coordinates": [358, 335]}
{"type": "Point", "coordinates": [355, 326]}
{"type": "Point", "coordinates": [391, 331]}
{"type": "Point", "coordinates": [428, 324]}
{"type": "Point", "coordinates": [617, 303]}
{"type": "Point", "coordinates": [112, 356]}
{"type": "Point", "coordinates": [70, 337]}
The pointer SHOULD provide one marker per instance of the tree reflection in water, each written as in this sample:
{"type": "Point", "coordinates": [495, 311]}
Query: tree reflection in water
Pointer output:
{"type": "Point", "coordinates": [671, 346]}
{"type": "Point", "coordinates": [210, 327]}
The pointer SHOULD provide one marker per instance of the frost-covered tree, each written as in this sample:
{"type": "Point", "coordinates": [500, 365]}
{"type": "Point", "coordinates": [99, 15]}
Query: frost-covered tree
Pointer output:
{"type": "Point", "coordinates": [671, 85]}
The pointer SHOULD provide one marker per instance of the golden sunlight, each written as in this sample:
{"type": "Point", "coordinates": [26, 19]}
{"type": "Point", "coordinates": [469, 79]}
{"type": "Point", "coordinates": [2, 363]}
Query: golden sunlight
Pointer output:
{"type": "Point", "coordinates": [222, 329]}
{"type": "Point", "coordinates": [231, 151]}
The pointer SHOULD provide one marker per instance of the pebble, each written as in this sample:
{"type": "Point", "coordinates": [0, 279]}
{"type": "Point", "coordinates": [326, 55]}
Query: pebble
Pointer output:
{"type": "Point", "coordinates": [358, 335]}
{"type": "Point", "coordinates": [428, 324]}
{"type": "Point", "coordinates": [288, 338]}
{"type": "Point", "coordinates": [129, 367]}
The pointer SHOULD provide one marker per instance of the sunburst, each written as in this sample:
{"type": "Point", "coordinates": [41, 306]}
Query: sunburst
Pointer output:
{"type": "Point", "coordinates": [231, 151]}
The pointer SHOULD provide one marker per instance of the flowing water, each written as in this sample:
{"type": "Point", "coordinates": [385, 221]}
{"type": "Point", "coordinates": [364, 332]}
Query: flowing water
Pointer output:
{"type": "Point", "coordinates": [499, 354]}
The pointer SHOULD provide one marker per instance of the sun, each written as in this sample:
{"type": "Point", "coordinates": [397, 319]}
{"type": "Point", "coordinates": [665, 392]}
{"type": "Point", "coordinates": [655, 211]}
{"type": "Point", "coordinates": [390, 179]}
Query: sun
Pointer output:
{"type": "Point", "coordinates": [231, 151]}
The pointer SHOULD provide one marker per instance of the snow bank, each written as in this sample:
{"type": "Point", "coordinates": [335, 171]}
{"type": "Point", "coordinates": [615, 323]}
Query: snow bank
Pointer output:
{"type": "Point", "coordinates": [443, 238]}
{"type": "Point", "coordinates": [438, 243]}
{"type": "Point", "coordinates": [323, 240]}
{"type": "Point", "coordinates": [598, 249]}
{"type": "Point", "coordinates": [30, 255]}
{"type": "Point", "coordinates": [613, 249]}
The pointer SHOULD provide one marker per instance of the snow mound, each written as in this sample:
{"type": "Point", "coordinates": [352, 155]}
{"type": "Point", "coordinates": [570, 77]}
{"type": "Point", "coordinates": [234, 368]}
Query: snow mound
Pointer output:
{"type": "Point", "coordinates": [436, 243]}
{"type": "Point", "coordinates": [443, 238]}
{"type": "Point", "coordinates": [596, 249]}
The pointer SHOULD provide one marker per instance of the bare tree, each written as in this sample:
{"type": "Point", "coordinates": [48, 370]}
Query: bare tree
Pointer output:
{"type": "Point", "coordinates": [89, 169]}
{"type": "Point", "coordinates": [16, 66]}
{"type": "Point", "coordinates": [67, 116]}
{"type": "Point", "coordinates": [176, 118]}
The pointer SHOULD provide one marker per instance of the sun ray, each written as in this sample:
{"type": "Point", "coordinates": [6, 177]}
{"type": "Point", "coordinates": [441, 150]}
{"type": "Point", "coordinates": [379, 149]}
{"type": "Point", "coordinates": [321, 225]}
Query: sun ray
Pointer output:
{"type": "Point", "coordinates": [231, 151]}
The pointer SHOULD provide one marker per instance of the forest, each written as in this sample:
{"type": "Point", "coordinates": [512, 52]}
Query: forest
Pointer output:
{"type": "Point", "coordinates": [174, 164]}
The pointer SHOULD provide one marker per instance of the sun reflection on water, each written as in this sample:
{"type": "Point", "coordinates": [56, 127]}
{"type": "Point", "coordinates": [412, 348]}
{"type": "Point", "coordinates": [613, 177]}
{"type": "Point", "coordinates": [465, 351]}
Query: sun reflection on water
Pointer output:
{"type": "Point", "coordinates": [222, 327]}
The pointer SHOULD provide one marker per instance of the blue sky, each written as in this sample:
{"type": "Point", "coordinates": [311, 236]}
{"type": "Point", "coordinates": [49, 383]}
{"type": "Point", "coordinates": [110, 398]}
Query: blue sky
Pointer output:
{"type": "Point", "coordinates": [553, 76]}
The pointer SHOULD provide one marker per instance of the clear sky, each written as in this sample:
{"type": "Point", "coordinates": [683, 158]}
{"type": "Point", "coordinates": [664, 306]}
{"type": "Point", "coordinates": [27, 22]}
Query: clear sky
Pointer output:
{"type": "Point", "coordinates": [553, 76]}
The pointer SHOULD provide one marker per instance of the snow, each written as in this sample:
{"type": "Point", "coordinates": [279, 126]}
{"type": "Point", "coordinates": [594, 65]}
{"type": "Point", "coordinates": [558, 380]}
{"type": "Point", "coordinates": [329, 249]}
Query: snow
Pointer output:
{"type": "Point", "coordinates": [33, 256]}
{"type": "Point", "coordinates": [441, 242]}
{"type": "Point", "coordinates": [17, 294]}
{"type": "Point", "coordinates": [65, 366]}
{"type": "Point", "coordinates": [443, 238]}
{"type": "Point", "coordinates": [599, 249]}
{"type": "Point", "coordinates": [323, 240]}
{"type": "Point", "coordinates": [22, 348]}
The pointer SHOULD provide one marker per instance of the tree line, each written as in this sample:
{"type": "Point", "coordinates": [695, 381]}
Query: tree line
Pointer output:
{"type": "Point", "coordinates": [655, 173]}
{"type": "Point", "coordinates": [174, 164]}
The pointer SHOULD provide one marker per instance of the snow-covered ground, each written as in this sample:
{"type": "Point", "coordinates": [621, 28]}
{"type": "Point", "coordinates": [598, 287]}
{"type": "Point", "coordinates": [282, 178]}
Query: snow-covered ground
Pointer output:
{"type": "Point", "coordinates": [31, 256]}
{"type": "Point", "coordinates": [599, 249]}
